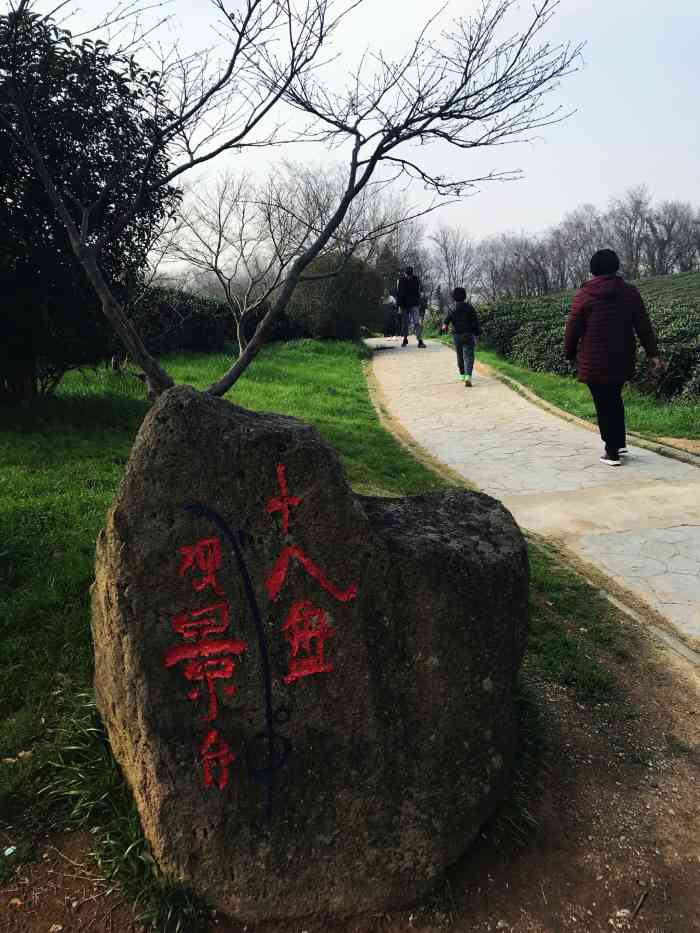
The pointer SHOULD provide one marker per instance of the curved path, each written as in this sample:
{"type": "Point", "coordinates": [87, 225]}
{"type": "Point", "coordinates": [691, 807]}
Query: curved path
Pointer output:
{"type": "Point", "coordinates": [639, 523]}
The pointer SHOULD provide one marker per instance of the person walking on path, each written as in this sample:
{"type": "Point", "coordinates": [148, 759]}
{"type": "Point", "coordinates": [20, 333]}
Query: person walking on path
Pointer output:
{"type": "Point", "coordinates": [408, 292]}
{"type": "Point", "coordinates": [465, 330]}
{"type": "Point", "coordinates": [391, 323]}
{"type": "Point", "coordinates": [605, 315]}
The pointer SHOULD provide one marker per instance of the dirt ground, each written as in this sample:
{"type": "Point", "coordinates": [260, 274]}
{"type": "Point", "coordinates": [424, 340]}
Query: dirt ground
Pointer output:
{"type": "Point", "coordinates": [616, 799]}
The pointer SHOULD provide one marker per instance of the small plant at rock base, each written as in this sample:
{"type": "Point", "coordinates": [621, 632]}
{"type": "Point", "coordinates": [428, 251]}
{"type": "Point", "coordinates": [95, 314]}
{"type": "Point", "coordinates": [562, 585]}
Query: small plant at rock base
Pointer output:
{"type": "Point", "coordinates": [88, 790]}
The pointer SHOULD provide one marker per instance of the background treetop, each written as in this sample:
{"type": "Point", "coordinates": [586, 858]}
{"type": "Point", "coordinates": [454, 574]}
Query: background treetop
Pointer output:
{"type": "Point", "coordinates": [475, 86]}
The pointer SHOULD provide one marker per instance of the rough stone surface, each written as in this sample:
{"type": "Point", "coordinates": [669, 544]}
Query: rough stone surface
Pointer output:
{"type": "Point", "coordinates": [352, 787]}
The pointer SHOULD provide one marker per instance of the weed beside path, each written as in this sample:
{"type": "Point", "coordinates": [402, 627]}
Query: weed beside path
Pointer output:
{"type": "Point", "coordinates": [645, 414]}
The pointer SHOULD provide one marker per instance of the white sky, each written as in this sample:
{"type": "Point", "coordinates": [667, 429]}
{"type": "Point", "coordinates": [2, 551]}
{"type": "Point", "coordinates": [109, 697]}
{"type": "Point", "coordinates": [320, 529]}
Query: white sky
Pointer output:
{"type": "Point", "coordinates": [636, 100]}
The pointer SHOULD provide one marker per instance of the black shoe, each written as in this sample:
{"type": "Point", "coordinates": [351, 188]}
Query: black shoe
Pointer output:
{"type": "Point", "coordinates": [405, 342]}
{"type": "Point", "coordinates": [611, 458]}
{"type": "Point", "coordinates": [421, 345]}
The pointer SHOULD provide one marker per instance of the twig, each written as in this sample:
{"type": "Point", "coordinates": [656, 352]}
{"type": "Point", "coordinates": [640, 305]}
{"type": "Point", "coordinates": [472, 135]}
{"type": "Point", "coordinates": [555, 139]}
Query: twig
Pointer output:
{"type": "Point", "coordinates": [640, 903]}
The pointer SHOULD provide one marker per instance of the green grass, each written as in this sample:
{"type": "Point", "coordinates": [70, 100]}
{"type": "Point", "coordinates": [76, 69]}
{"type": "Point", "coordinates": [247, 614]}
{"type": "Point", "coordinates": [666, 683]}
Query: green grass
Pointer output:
{"type": "Point", "coordinates": [644, 414]}
{"type": "Point", "coordinates": [680, 285]}
{"type": "Point", "coordinates": [322, 383]}
{"type": "Point", "coordinates": [60, 462]}
{"type": "Point", "coordinates": [572, 630]}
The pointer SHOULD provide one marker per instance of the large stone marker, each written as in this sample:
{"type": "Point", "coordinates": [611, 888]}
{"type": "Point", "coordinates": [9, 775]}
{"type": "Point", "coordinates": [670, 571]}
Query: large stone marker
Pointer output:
{"type": "Point", "coordinates": [310, 693]}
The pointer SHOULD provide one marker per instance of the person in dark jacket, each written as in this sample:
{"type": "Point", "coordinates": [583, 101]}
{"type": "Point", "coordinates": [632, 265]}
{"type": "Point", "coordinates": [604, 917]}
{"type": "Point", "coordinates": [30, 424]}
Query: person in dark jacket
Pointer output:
{"type": "Point", "coordinates": [605, 315]}
{"type": "Point", "coordinates": [408, 297]}
{"type": "Point", "coordinates": [465, 330]}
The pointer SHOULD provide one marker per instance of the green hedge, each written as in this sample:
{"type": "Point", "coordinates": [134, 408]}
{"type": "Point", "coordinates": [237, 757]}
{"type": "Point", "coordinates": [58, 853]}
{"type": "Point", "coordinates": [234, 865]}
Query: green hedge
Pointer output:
{"type": "Point", "coordinates": [169, 320]}
{"type": "Point", "coordinates": [340, 306]}
{"type": "Point", "coordinates": [530, 333]}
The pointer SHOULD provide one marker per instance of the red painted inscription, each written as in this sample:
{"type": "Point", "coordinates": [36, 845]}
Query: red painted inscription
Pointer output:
{"type": "Point", "coordinates": [215, 756]}
{"type": "Point", "coordinates": [306, 629]}
{"type": "Point", "coordinates": [278, 574]}
{"type": "Point", "coordinates": [205, 556]}
{"type": "Point", "coordinates": [282, 502]}
{"type": "Point", "coordinates": [207, 659]}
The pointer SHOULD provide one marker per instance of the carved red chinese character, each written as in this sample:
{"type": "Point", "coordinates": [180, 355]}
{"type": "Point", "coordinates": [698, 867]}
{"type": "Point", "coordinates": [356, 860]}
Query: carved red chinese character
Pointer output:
{"type": "Point", "coordinates": [207, 659]}
{"type": "Point", "coordinates": [205, 556]}
{"type": "Point", "coordinates": [212, 620]}
{"type": "Point", "coordinates": [306, 629]}
{"type": "Point", "coordinates": [282, 502]}
{"type": "Point", "coordinates": [215, 754]}
{"type": "Point", "coordinates": [276, 577]}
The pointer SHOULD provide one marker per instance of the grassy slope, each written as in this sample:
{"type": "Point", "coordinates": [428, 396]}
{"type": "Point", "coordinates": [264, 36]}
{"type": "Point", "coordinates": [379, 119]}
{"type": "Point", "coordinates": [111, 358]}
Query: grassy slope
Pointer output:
{"type": "Point", "coordinates": [60, 463]}
{"type": "Point", "coordinates": [665, 287]}
{"type": "Point", "coordinates": [644, 413]}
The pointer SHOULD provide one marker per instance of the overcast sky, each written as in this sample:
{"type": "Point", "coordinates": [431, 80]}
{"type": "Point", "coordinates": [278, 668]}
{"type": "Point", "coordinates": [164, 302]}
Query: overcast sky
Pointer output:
{"type": "Point", "coordinates": [635, 96]}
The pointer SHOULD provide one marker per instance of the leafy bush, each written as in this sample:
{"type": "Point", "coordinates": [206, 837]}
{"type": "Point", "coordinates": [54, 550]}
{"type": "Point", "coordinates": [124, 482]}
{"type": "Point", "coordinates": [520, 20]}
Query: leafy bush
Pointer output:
{"type": "Point", "coordinates": [337, 307]}
{"type": "Point", "coordinates": [500, 322]}
{"type": "Point", "coordinates": [530, 332]}
{"type": "Point", "coordinates": [168, 320]}
{"type": "Point", "coordinates": [539, 348]}
{"type": "Point", "coordinates": [91, 117]}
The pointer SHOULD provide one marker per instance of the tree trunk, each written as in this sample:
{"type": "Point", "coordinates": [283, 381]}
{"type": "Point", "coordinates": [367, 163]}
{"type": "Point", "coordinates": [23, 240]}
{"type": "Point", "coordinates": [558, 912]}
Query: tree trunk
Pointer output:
{"type": "Point", "coordinates": [241, 327]}
{"type": "Point", "coordinates": [18, 380]}
{"type": "Point", "coordinates": [157, 380]}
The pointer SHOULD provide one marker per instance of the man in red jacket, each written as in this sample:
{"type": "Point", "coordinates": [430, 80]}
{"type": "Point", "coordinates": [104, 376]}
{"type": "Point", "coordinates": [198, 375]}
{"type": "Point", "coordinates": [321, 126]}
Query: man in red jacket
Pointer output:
{"type": "Point", "coordinates": [605, 315]}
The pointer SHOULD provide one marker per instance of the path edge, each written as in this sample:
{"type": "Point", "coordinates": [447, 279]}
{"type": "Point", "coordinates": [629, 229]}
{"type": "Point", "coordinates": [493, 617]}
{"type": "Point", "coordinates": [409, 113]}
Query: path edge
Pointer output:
{"type": "Point", "coordinates": [664, 450]}
{"type": "Point", "coordinates": [633, 606]}
{"type": "Point", "coordinates": [664, 632]}
{"type": "Point", "coordinates": [396, 429]}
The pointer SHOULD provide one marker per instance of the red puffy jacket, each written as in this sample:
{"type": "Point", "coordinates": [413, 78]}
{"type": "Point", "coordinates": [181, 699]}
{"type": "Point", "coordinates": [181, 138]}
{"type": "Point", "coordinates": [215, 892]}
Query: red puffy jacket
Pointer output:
{"type": "Point", "coordinates": [605, 315]}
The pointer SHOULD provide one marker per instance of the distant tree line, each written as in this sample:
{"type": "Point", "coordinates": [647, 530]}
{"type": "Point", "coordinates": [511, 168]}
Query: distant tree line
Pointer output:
{"type": "Point", "coordinates": [651, 239]}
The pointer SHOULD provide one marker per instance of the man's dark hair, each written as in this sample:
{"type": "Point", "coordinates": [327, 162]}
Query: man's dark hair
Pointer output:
{"type": "Point", "coordinates": [409, 270]}
{"type": "Point", "coordinates": [605, 262]}
{"type": "Point", "coordinates": [459, 294]}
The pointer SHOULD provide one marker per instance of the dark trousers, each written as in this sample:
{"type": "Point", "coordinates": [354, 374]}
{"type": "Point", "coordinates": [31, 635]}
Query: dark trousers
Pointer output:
{"type": "Point", "coordinates": [464, 348]}
{"type": "Point", "coordinates": [610, 409]}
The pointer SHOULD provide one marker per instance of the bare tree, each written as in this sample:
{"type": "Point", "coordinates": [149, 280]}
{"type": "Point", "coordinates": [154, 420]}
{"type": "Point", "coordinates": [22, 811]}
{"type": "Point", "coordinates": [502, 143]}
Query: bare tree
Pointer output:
{"type": "Point", "coordinates": [199, 109]}
{"type": "Point", "coordinates": [406, 243]}
{"type": "Point", "coordinates": [668, 243]}
{"type": "Point", "coordinates": [454, 257]}
{"type": "Point", "coordinates": [652, 240]}
{"type": "Point", "coordinates": [558, 260]}
{"type": "Point", "coordinates": [222, 233]}
{"type": "Point", "coordinates": [511, 265]}
{"type": "Point", "coordinates": [583, 231]}
{"type": "Point", "coordinates": [471, 88]}
{"type": "Point", "coordinates": [628, 218]}
{"type": "Point", "coordinates": [247, 235]}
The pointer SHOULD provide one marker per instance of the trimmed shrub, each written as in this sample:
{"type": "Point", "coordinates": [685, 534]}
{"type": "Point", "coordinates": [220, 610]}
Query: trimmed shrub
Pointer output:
{"type": "Point", "coordinates": [338, 307]}
{"type": "Point", "coordinates": [168, 320]}
{"type": "Point", "coordinates": [539, 348]}
{"type": "Point", "coordinates": [530, 333]}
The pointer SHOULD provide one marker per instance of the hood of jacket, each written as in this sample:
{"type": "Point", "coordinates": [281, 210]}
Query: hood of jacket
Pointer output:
{"type": "Point", "coordinates": [604, 286]}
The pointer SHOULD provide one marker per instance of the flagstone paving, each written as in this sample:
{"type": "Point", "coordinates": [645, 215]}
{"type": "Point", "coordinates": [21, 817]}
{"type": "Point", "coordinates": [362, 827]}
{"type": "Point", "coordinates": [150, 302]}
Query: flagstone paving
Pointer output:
{"type": "Point", "coordinates": [638, 523]}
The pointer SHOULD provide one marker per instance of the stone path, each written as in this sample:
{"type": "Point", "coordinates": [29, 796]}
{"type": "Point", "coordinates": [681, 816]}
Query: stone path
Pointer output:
{"type": "Point", "coordinates": [639, 523]}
